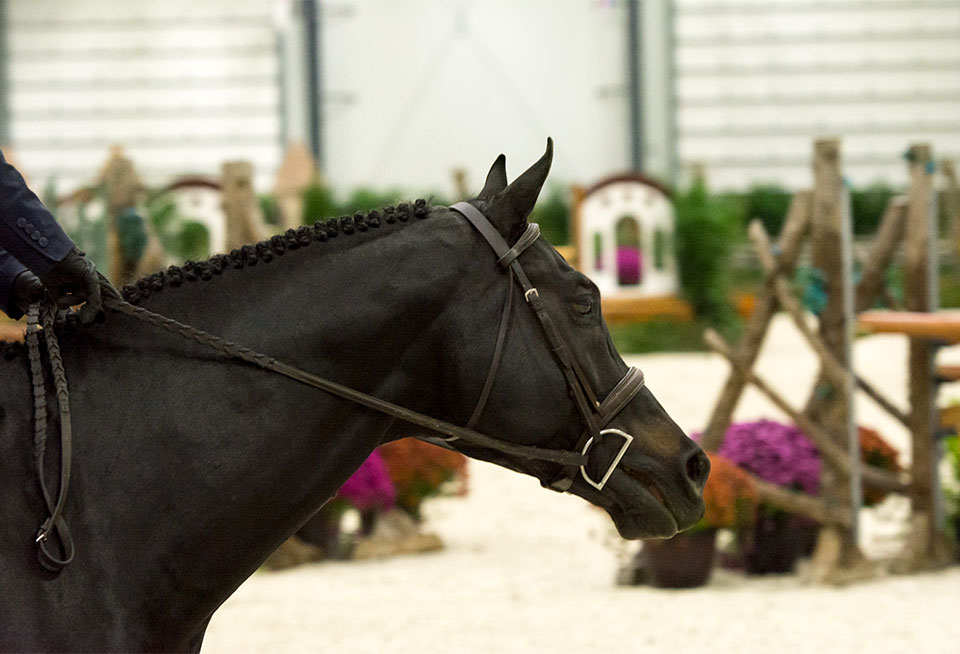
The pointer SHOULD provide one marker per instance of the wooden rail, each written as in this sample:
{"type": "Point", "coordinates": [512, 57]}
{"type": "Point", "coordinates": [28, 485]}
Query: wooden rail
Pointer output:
{"type": "Point", "coordinates": [937, 325]}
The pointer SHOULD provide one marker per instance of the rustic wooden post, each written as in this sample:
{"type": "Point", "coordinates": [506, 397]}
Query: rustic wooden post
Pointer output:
{"type": "Point", "coordinates": [830, 367]}
{"type": "Point", "coordinates": [837, 557]}
{"type": "Point", "coordinates": [295, 174]}
{"type": "Point", "coordinates": [798, 219]}
{"type": "Point", "coordinates": [461, 186]}
{"type": "Point", "coordinates": [122, 187]}
{"type": "Point", "coordinates": [240, 205]}
{"type": "Point", "coordinates": [926, 547]}
{"type": "Point", "coordinates": [884, 246]}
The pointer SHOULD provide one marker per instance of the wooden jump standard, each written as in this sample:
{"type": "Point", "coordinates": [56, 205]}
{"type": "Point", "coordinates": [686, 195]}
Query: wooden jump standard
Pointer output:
{"type": "Point", "coordinates": [827, 417]}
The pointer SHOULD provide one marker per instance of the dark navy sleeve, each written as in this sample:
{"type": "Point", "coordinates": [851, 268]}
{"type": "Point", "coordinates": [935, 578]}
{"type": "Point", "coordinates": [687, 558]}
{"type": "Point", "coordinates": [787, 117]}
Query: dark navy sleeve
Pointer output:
{"type": "Point", "coordinates": [9, 269]}
{"type": "Point", "coordinates": [27, 230]}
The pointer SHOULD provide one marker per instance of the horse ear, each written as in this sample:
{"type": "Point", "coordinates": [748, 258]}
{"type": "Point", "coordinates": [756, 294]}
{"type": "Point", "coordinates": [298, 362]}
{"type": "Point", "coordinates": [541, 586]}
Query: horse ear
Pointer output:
{"type": "Point", "coordinates": [496, 179]}
{"type": "Point", "coordinates": [514, 204]}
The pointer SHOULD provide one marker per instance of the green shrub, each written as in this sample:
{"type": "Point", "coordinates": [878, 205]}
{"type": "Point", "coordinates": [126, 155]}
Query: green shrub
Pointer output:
{"type": "Point", "coordinates": [269, 209]}
{"type": "Point", "coordinates": [768, 203]}
{"type": "Point", "coordinates": [193, 241]}
{"type": "Point", "coordinates": [319, 203]}
{"type": "Point", "coordinates": [365, 199]}
{"type": "Point", "coordinates": [182, 237]}
{"type": "Point", "coordinates": [706, 227]}
{"type": "Point", "coordinates": [552, 213]}
{"type": "Point", "coordinates": [867, 206]}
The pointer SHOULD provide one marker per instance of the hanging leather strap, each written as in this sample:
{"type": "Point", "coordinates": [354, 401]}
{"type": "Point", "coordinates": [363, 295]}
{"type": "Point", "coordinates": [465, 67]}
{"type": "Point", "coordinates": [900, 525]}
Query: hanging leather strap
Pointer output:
{"type": "Point", "coordinates": [581, 391]}
{"type": "Point", "coordinates": [53, 557]}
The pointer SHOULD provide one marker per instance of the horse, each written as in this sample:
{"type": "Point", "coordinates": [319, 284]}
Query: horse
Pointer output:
{"type": "Point", "coordinates": [190, 465]}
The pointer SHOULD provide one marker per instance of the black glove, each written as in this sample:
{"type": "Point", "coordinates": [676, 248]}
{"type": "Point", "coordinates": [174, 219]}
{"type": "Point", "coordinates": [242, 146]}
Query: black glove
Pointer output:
{"type": "Point", "coordinates": [27, 289]}
{"type": "Point", "coordinates": [73, 280]}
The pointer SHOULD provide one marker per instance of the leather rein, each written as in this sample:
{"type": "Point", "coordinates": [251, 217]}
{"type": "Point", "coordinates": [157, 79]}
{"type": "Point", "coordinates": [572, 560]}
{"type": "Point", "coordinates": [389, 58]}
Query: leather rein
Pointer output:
{"type": "Point", "coordinates": [596, 414]}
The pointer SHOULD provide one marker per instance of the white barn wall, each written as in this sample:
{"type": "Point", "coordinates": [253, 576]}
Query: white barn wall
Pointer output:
{"type": "Point", "coordinates": [756, 81]}
{"type": "Point", "coordinates": [183, 85]}
{"type": "Point", "coordinates": [418, 88]}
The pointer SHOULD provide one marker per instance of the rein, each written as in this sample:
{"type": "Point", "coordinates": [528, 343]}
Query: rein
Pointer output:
{"type": "Point", "coordinates": [273, 365]}
{"type": "Point", "coordinates": [596, 414]}
{"type": "Point", "coordinates": [54, 523]}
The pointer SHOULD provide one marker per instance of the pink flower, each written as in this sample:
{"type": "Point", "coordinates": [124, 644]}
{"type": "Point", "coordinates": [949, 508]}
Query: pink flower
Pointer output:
{"type": "Point", "coordinates": [370, 486]}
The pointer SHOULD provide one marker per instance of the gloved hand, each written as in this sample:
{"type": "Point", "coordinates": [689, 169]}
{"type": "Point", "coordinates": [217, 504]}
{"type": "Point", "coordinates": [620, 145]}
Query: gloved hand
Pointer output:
{"type": "Point", "coordinates": [27, 289]}
{"type": "Point", "coordinates": [73, 280]}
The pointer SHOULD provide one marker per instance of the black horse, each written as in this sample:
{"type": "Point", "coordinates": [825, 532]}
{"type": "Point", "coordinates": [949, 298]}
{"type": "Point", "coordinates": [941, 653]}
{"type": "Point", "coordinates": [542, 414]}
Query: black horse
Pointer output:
{"type": "Point", "coordinates": [190, 467]}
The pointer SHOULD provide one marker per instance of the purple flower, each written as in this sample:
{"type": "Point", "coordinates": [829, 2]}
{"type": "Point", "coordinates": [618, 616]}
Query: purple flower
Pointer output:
{"type": "Point", "coordinates": [778, 453]}
{"type": "Point", "coordinates": [370, 486]}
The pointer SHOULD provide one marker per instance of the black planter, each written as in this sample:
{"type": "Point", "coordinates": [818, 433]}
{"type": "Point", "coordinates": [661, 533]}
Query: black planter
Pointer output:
{"type": "Point", "coordinates": [777, 544]}
{"type": "Point", "coordinates": [684, 561]}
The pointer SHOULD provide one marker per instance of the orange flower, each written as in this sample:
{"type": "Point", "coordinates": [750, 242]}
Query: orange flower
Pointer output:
{"type": "Point", "coordinates": [876, 452]}
{"type": "Point", "coordinates": [729, 496]}
{"type": "Point", "coordinates": [418, 470]}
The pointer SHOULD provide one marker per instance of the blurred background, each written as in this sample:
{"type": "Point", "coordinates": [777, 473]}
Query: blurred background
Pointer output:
{"type": "Point", "coordinates": [334, 107]}
{"type": "Point", "coordinates": [165, 131]}
{"type": "Point", "coordinates": [398, 94]}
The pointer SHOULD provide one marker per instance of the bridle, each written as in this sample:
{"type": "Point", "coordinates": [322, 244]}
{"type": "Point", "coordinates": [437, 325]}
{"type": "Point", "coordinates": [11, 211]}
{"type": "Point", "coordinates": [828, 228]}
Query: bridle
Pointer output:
{"type": "Point", "coordinates": [596, 414]}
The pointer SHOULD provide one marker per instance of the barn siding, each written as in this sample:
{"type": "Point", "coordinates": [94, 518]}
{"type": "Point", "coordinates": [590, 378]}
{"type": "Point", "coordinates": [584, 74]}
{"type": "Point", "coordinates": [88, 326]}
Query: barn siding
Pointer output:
{"type": "Point", "coordinates": [757, 80]}
{"type": "Point", "coordinates": [182, 85]}
{"type": "Point", "coordinates": [416, 88]}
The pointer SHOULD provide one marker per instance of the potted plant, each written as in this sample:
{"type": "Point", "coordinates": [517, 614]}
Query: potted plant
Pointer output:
{"type": "Point", "coordinates": [782, 454]}
{"type": "Point", "coordinates": [687, 559]}
{"type": "Point", "coordinates": [369, 490]}
{"type": "Point", "coordinates": [874, 450]}
{"type": "Point", "coordinates": [420, 470]}
{"type": "Point", "coordinates": [951, 485]}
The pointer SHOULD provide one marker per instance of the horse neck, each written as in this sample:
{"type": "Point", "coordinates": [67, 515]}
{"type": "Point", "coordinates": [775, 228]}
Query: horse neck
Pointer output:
{"type": "Point", "coordinates": [251, 453]}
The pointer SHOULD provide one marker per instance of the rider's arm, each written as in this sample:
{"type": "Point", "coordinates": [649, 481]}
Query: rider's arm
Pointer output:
{"type": "Point", "coordinates": [28, 231]}
{"type": "Point", "coordinates": [10, 269]}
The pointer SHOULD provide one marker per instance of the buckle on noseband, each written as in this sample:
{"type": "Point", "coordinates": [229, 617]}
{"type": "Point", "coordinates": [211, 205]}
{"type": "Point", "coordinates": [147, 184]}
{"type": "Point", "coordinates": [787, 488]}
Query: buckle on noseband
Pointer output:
{"type": "Point", "coordinates": [627, 439]}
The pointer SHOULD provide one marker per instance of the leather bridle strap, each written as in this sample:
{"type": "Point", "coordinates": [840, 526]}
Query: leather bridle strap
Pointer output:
{"type": "Point", "coordinates": [621, 395]}
{"type": "Point", "coordinates": [50, 559]}
{"type": "Point", "coordinates": [497, 357]}
{"type": "Point", "coordinates": [507, 257]}
{"type": "Point", "coordinates": [595, 414]}
{"type": "Point", "coordinates": [435, 425]}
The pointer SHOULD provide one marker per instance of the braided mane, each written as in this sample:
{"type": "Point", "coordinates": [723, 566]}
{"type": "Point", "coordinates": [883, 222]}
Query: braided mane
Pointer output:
{"type": "Point", "coordinates": [250, 255]}
{"type": "Point", "coordinates": [293, 239]}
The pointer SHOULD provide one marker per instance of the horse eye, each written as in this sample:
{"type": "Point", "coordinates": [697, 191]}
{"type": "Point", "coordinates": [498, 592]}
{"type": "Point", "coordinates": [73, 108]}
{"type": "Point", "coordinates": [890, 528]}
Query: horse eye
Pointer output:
{"type": "Point", "coordinates": [583, 305]}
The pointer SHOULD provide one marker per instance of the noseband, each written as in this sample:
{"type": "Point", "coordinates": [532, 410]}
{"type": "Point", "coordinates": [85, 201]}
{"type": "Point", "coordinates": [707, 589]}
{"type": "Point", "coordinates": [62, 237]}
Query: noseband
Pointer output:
{"type": "Point", "coordinates": [596, 415]}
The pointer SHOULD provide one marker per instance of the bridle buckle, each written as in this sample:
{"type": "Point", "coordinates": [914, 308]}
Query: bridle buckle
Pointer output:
{"type": "Point", "coordinates": [627, 440]}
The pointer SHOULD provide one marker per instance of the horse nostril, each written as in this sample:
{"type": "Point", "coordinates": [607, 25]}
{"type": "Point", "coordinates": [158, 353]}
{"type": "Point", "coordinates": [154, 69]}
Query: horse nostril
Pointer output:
{"type": "Point", "coordinates": [698, 468]}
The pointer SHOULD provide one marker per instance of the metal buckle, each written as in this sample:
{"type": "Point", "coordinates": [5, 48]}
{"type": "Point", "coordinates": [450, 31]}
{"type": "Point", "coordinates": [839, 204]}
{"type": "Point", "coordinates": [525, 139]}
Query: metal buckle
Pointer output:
{"type": "Point", "coordinates": [627, 439]}
{"type": "Point", "coordinates": [533, 292]}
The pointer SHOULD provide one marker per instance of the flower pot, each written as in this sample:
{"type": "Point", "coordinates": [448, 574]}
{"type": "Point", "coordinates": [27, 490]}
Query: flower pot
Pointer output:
{"type": "Point", "coordinates": [684, 561]}
{"type": "Point", "coordinates": [777, 543]}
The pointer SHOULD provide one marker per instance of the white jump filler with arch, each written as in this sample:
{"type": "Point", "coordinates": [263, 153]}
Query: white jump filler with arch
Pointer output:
{"type": "Point", "coordinates": [624, 235]}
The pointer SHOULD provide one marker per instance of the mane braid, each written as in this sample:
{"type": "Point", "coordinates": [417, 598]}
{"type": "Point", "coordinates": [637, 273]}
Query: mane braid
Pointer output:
{"type": "Point", "coordinates": [243, 257]}
{"type": "Point", "coordinates": [275, 246]}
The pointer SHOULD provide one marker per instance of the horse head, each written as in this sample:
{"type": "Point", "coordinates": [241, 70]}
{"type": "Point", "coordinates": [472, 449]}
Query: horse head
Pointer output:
{"type": "Point", "coordinates": [556, 380]}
